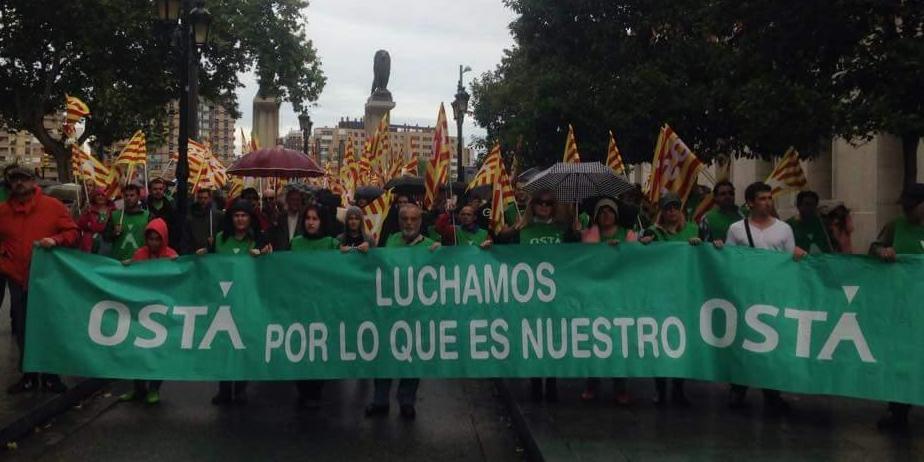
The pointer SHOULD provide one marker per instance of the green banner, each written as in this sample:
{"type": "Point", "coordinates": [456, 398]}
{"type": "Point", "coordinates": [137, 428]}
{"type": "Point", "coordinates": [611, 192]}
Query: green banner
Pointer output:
{"type": "Point", "coordinates": [844, 325]}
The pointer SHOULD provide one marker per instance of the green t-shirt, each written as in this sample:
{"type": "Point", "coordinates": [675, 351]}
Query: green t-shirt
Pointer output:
{"type": "Point", "coordinates": [132, 238]}
{"type": "Point", "coordinates": [689, 231]}
{"type": "Point", "coordinates": [304, 244]}
{"type": "Point", "coordinates": [717, 223]}
{"type": "Point", "coordinates": [619, 235]}
{"type": "Point", "coordinates": [4, 193]}
{"type": "Point", "coordinates": [464, 237]}
{"type": "Point", "coordinates": [908, 238]}
{"type": "Point", "coordinates": [397, 240]}
{"type": "Point", "coordinates": [541, 233]}
{"type": "Point", "coordinates": [810, 235]}
{"type": "Point", "coordinates": [511, 216]}
{"type": "Point", "coordinates": [232, 245]}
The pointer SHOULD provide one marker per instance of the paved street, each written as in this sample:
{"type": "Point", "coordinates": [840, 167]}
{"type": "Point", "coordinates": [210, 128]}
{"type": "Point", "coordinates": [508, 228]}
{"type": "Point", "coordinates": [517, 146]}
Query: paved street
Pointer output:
{"type": "Point", "coordinates": [818, 429]}
{"type": "Point", "coordinates": [456, 421]}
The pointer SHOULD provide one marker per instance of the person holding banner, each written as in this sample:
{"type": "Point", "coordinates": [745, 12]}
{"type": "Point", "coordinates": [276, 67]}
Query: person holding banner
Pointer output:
{"type": "Point", "coordinates": [606, 230]}
{"type": "Point", "coordinates": [156, 245]}
{"type": "Point", "coordinates": [289, 224]}
{"type": "Point", "coordinates": [761, 230]}
{"type": "Point", "coordinates": [545, 223]}
{"type": "Point", "coordinates": [902, 236]}
{"type": "Point", "coordinates": [240, 235]}
{"type": "Point", "coordinates": [29, 218]}
{"type": "Point", "coordinates": [715, 223]}
{"type": "Point", "coordinates": [671, 226]}
{"type": "Point", "coordinates": [353, 236]}
{"type": "Point", "coordinates": [312, 239]}
{"type": "Point", "coordinates": [203, 221]}
{"type": "Point", "coordinates": [410, 218]}
{"type": "Point", "coordinates": [467, 232]}
{"type": "Point", "coordinates": [126, 228]}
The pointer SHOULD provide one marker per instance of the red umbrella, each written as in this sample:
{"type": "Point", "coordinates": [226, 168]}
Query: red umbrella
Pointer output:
{"type": "Point", "coordinates": [277, 162]}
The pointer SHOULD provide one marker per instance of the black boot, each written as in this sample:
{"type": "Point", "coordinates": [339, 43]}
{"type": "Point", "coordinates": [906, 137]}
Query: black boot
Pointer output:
{"type": "Point", "coordinates": [28, 382]}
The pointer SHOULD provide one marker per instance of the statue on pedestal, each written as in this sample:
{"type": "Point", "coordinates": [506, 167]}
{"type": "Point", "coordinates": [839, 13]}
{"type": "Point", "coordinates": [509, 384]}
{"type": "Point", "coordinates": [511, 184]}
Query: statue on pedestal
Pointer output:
{"type": "Point", "coordinates": [381, 68]}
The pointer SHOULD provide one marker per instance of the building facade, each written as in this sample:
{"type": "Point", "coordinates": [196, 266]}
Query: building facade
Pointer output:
{"type": "Point", "coordinates": [411, 140]}
{"type": "Point", "coordinates": [216, 127]}
{"type": "Point", "coordinates": [24, 149]}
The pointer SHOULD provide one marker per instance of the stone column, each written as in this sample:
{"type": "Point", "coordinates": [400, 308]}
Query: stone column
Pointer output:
{"type": "Point", "coordinates": [376, 107]}
{"type": "Point", "coordinates": [868, 179]}
{"type": "Point", "coordinates": [266, 120]}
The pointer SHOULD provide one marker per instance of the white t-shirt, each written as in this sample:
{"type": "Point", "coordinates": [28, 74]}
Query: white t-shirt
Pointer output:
{"type": "Point", "coordinates": [777, 236]}
{"type": "Point", "coordinates": [293, 225]}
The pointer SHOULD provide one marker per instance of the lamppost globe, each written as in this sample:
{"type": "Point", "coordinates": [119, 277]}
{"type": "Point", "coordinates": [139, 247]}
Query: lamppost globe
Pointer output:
{"type": "Point", "coordinates": [200, 19]}
{"type": "Point", "coordinates": [168, 10]}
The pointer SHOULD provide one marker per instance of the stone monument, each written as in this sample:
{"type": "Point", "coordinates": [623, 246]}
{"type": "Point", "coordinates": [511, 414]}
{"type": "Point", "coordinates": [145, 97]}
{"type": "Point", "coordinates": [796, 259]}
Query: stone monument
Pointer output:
{"type": "Point", "coordinates": [266, 118]}
{"type": "Point", "coordinates": [379, 101]}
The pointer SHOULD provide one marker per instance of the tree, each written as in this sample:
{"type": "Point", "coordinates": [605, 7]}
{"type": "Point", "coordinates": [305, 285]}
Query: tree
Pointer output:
{"type": "Point", "coordinates": [732, 78]}
{"type": "Point", "coordinates": [114, 55]}
{"type": "Point", "coordinates": [882, 81]}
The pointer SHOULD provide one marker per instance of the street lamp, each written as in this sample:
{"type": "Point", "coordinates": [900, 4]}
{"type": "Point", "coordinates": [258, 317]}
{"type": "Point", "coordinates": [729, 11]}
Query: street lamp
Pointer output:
{"type": "Point", "coordinates": [304, 122]}
{"type": "Point", "coordinates": [459, 108]}
{"type": "Point", "coordinates": [191, 26]}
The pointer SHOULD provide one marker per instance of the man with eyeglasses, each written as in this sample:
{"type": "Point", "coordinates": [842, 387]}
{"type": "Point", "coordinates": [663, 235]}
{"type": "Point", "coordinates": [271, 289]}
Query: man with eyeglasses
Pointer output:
{"type": "Point", "coordinates": [714, 225]}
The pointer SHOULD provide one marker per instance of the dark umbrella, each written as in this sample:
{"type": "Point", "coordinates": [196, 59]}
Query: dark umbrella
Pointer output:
{"type": "Point", "coordinates": [406, 184]}
{"type": "Point", "coordinates": [276, 162]}
{"type": "Point", "coordinates": [529, 174]}
{"type": "Point", "coordinates": [368, 192]}
{"type": "Point", "coordinates": [572, 183]}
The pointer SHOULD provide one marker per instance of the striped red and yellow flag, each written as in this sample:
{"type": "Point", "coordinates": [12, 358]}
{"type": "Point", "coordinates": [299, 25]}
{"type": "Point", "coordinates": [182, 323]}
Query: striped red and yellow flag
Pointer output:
{"type": "Point", "coordinates": [374, 215]}
{"type": "Point", "coordinates": [135, 152]}
{"type": "Point", "coordinates": [571, 150]}
{"type": "Point", "coordinates": [501, 197]}
{"type": "Point", "coordinates": [381, 147]}
{"type": "Point", "coordinates": [437, 173]}
{"type": "Point", "coordinates": [76, 109]}
{"type": "Point", "coordinates": [236, 188]}
{"type": "Point", "coordinates": [410, 166]}
{"type": "Point", "coordinates": [490, 169]}
{"type": "Point", "coordinates": [788, 174]}
{"type": "Point", "coordinates": [89, 169]}
{"type": "Point", "coordinates": [674, 167]}
{"type": "Point", "coordinates": [613, 158]}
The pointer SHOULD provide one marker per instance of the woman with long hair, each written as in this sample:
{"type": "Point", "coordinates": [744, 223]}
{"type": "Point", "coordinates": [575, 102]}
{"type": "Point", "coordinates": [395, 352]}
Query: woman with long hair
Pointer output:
{"type": "Point", "coordinates": [354, 236]}
{"type": "Point", "coordinates": [93, 221]}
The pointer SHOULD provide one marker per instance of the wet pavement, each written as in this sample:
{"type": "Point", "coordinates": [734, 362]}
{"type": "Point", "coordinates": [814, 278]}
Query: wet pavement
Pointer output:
{"type": "Point", "coordinates": [457, 420]}
{"type": "Point", "coordinates": [818, 428]}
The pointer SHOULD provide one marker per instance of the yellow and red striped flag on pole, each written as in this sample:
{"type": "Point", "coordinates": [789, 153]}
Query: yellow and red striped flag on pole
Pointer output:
{"type": "Point", "coordinates": [613, 158]}
{"type": "Point", "coordinates": [501, 197]}
{"type": "Point", "coordinates": [571, 150]}
{"type": "Point", "coordinates": [490, 169]}
{"type": "Point", "coordinates": [89, 169]}
{"type": "Point", "coordinates": [437, 173]}
{"type": "Point", "coordinates": [374, 215]}
{"type": "Point", "coordinates": [788, 174]}
{"type": "Point", "coordinates": [674, 167]}
{"type": "Point", "coordinates": [76, 109]}
{"type": "Point", "coordinates": [135, 152]}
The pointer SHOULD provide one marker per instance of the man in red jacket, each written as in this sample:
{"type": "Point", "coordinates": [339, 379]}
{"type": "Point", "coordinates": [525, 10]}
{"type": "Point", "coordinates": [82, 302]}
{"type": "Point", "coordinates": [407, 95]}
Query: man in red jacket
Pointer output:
{"type": "Point", "coordinates": [29, 218]}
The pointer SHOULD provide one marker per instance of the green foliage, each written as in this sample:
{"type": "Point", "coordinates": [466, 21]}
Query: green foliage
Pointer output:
{"type": "Point", "coordinates": [118, 58]}
{"type": "Point", "coordinates": [731, 77]}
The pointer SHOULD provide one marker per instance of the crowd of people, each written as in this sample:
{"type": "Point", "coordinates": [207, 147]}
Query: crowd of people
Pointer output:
{"type": "Point", "coordinates": [146, 226]}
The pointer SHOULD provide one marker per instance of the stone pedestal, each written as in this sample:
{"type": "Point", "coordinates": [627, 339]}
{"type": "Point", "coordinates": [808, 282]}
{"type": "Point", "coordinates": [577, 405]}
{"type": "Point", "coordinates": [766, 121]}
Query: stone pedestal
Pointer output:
{"type": "Point", "coordinates": [376, 106]}
{"type": "Point", "coordinates": [266, 120]}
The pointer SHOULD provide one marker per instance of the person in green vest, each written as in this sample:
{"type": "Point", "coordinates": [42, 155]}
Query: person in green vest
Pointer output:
{"type": "Point", "coordinates": [606, 230]}
{"type": "Point", "coordinates": [714, 225]}
{"type": "Point", "coordinates": [546, 223]}
{"type": "Point", "coordinates": [466, 232]}
{"type": "Point", "coordinates": [240, 235]}
{"type": "Point", "coordinates": [311, 239]}
{"type": "Point", "coordinates": [672, 226]}
{"type": "Point", "coordinates": [902, 236]}
{"type": "Point", "coordinates": [807, 227]}
{"type": "Point", "coordinates": [410, 219]}
{"type": "Point", "coordinates": [125, 229]}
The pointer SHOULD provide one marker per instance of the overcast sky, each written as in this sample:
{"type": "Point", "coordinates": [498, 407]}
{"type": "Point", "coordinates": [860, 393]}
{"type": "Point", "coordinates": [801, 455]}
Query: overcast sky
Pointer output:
{"type": "Point", "coordinates": [427, 40]}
